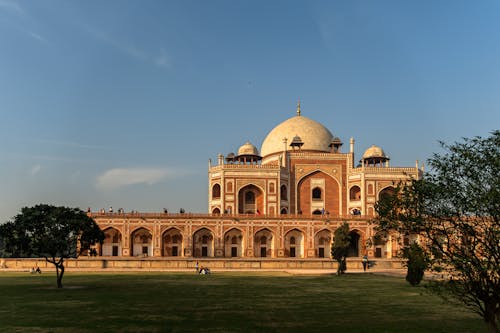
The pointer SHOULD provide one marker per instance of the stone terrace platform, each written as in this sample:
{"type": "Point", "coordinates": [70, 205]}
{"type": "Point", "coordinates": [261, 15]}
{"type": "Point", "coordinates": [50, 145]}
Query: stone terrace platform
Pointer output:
{"type": "Point", "coordinates": [102, 264]}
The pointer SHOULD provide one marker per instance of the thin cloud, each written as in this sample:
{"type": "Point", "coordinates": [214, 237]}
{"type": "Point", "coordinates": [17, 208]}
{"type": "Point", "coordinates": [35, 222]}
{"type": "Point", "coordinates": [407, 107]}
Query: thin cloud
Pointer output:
{"type": "Point", "coordinates": [121, 177]}
{"type": "Point", "coordinates": [37, 37]}
{"type": "Point", "coordinates": [71, 144]}
{"type": "Point", "coordinates": [162, 60]}
{"type": "Point", "coordinates": [35, 169]}
{"type": "Point", "coordinates": [12, 7]}
{"type": "Point", "coordinates": [22, 19]}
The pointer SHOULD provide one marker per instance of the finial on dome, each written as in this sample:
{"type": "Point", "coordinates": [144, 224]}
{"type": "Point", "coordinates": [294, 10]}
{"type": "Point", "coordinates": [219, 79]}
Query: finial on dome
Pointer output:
{"type": "Point", "coordinates": [298, 108]}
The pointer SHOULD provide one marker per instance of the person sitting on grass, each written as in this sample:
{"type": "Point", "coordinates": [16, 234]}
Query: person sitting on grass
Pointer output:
{"type": "Point", "coordinates": [204, 270]}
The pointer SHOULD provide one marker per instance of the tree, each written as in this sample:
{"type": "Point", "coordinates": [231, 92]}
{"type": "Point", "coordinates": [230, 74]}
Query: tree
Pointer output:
{"type": "Point", "coordinates": [416, 261]}
{"type": "Point", "coordinates": [54, 233]}
{"type": "Point", "coordinates": [340, 247]}
{"type": "Point", "coordinates": [455, 209]}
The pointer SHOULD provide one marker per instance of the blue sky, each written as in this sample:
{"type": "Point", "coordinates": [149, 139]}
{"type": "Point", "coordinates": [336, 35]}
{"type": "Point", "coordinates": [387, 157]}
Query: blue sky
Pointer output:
{"type": "Point", "coordinates": [122, 103]}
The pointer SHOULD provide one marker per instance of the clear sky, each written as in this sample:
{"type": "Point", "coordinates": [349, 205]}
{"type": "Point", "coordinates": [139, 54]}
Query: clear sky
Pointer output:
{"type": "Point", "coordinates": [122, 103]}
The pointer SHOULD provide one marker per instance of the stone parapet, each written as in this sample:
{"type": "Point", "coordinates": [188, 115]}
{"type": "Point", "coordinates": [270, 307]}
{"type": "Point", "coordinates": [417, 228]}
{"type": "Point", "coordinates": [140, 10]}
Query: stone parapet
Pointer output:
{"type": "Point", "coordinates": [162, 264]}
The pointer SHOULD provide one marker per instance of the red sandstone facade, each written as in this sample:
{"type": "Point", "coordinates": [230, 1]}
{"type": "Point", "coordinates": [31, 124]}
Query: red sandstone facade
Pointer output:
{"type": "Point", "coordinates": [285, 203]}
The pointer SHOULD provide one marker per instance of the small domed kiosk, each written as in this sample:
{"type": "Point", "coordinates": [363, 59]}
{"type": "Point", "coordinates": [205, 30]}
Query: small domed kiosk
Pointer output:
{"type": "Point", "coordinates": [248, 154]}
{"type": "Point", "coordinates": [375, 157]}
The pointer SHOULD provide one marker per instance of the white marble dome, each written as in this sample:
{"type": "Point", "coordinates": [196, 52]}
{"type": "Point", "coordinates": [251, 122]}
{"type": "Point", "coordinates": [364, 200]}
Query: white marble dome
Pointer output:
{"type": "Point", "coordinates": [315, 136]}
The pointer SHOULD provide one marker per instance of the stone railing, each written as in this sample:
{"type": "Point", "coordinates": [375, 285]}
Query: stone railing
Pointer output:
{"type": "Point", "coordinates": [160, 215]}
{"type": "Point", "coordinates": [379, 170]}
{"type": "Point", "coordinates": [245, 166]}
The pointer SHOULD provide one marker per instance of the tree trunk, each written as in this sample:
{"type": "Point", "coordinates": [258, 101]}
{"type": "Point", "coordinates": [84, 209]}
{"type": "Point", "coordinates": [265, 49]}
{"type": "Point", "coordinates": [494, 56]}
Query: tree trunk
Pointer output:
{"type": "Point", "coordinates": [341, 268]}
{"type": "Point", "coordinates": [60, 273]}
{"type": "Point", "coordinates": [490, 318]}
{"type": "Point", "coordinates": [492, 326]}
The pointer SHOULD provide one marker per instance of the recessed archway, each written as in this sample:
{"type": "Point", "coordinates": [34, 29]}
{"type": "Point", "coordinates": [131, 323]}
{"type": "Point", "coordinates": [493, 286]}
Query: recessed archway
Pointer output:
{"type": "Point", "coordinates": [380, 241]}
{"type": "Point", "coordinates": [386, 192]}
{"type": "Point", "coordinates": [294, 244]}
{"type": "Point", "coordinates": [264, 243]}
{"type": "Point", "coordinates": [355, 245]}
{"type": "Point", "coordinates": [112, 245]}
{"type": "Point", "coordinates": [142, 242]}
{"type": "Point", "coordinates": [203, 243]}
{"type": "Point", "coordinates": [355, 193]}
{"type": "Point", "coordinates": [323, 243]}
{"type": "Point", "coordinates": [318, 191]}
{"type": "Point", "coordinates": [283, 192]}
{"type": "Point", "coordinates": [172, 243]}
{"type": "Point", "coordinates": [250, 200]}
{"type": "Point", "coordinates": [233, 243]}
{"type": "Point", "coordinates": [216, 191]}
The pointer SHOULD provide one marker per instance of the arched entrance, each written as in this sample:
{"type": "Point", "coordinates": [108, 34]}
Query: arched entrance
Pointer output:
{"type": "Point", "coordinates": [112, 245]}
{"type": "Point", "coordinates": [216, 191]}
{"type": "Point", "coordinates": [233, 243]}
{"type": "Point", "coordinates": [250, 200]}
{"type": "Point", "coordinates": [323, 243]}
{"type": "Point", "coordinates": [355, 193]}
{"type": "Point", "coordinates": [263, 244]}
{"type": "Point", "coordinates": [283, 192]}
{"type": "Point", "coordinates": [294, 244]}
{"type": "Point", "coordinates": [172, 245]}
{"type": "Point", "coordinates": [142, 242]}
{"type": "Point", "coordinates": [386, 192]}
{"type": "Point", "coordinates": [380, 243]}
{"type": "Point", "coordinates": [318, 192]}
{"type": "Point", "coordinates": [354, 244]}
{"type": "Point", "coordinates": [203, 243]}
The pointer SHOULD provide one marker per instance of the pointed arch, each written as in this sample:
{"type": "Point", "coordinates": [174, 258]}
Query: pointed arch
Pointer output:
{"type": "Point", "coordinates": [203, 243]}
{"type": "Point", "coordinates": [385, 192]}
{"type": "Point", "coordinates": [316, 193]}
{"type": "Point", "coordinates": [294, 243]}
{"type": "Point", "coordinates": [381, 244]}
{"type": "Point", "coordinates": [112, 244]}
{"type": "Point", "coordinates": [216, 189]}
{"type": "Point", "coordinates": [283, 192]}
{"type": "Point", "coordinates": [355, 193]}
{"type": "Point", "coordinates": [323, 243]}
{"type": "Point", "coordinates": [233, 243]}
{"type": "Point", "coordinates": [141, 242]}
{"type": "Point", "coordinates": [251, 200]}
{"type": "Point", "coordinates": [172, 243]}
{"type": "Point", "coordinates": [370, 189]}
{"type": "Point", "coordinates": [356, 244]}
{"type": "Point", "coordinates": [264, 243]}
{"type": "Point", "coordinates": [318, 190]}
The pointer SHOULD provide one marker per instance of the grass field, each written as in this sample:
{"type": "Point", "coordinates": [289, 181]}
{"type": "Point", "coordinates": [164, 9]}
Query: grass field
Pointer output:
{"type": "Point", "coordinates": [224, 302]}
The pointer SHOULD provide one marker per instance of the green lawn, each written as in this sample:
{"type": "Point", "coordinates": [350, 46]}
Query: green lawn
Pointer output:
{"type": "Point", "coordinates": [224, 302]}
